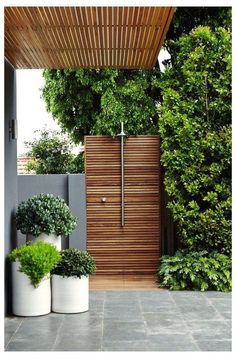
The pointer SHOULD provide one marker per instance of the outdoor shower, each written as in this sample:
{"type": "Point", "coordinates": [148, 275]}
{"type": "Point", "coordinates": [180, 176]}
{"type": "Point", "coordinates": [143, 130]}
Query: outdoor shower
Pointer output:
{"type": "Point", "coordinates": [122, 135]}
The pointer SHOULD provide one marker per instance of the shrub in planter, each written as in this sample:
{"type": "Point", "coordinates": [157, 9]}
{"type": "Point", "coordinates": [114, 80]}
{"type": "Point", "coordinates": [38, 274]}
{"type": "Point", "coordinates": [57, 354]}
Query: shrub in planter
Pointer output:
{"type": "Point", "coordinates": [31, 267]}
{"type": "Point", "coordinates": [70, 281]}
{"type": "Point", "coordinates": [45, 216]}
{"type": "Point", "coordinates": [196, 271]}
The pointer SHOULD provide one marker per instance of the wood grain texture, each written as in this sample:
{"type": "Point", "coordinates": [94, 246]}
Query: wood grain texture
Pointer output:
{"type": "Point", "coordinates": [135, 248]}
{"type": "Point", "coordinates": [89, 37]}
{"type": "Point", "coordinates": [124, 282]}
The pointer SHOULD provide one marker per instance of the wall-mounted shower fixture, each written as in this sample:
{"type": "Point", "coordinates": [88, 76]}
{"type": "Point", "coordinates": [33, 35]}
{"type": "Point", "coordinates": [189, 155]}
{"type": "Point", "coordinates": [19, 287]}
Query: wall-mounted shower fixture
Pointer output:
{"type": "Point", "coordinates": [122, 135]}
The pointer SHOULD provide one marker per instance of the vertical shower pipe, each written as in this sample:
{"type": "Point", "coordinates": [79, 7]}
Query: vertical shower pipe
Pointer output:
{"type": "Point", "coordinates": [122, 135]}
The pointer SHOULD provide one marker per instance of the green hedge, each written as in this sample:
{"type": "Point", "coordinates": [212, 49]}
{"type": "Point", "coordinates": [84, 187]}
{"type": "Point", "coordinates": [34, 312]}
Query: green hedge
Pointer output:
{"type": "Point", "coordinates": [196, 271]}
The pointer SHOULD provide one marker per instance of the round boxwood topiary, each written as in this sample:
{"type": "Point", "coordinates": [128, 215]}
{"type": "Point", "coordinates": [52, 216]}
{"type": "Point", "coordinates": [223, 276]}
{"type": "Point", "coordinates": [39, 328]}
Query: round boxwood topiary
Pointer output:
{"type": "Point", "coordinates": [36, 261]}
{"type": "Point", "coordinates": [75, 263]}
{"type": "Point", "coordinates": [45, 213]}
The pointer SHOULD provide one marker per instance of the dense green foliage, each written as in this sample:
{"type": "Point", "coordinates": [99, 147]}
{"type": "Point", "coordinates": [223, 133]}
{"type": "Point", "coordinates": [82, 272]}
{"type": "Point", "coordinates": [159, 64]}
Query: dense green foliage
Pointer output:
{"type": "Point", "coordinates": [75, 263]}
{"type": "Point", "coordinates": [187, 18]}
{"type": "Point", "coordinates": [195, 127]}
{"type": "Point", "coordinates": [45, 213]}
{"type": "Point", "coordinates": [51, 153]}
{"type": "Point", "coordinates": [196, 271]}
{"type": "Point", "coordinates": [36, 260]}
{"type": "Point", "coordinates": [96, 101]}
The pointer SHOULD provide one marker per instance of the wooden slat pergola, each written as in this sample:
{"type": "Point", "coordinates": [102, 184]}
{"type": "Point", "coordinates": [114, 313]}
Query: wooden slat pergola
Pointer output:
{"type": "Point", "coordinates": [89, 37]}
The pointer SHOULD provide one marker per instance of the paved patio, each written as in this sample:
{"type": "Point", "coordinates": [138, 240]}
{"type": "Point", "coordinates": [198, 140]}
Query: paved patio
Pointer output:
{"type": "Point", "coordinates": [130, 321]}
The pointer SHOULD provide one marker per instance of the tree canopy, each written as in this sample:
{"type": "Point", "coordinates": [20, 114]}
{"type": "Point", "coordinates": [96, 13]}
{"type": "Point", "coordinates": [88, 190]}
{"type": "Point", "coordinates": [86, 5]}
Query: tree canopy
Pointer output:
{"type": "Point", "coordinates": [51, 153]}
{"type": "Point", "coordinates": [187, 18]}
{"type": "Point", "coordinates": [96, 101]}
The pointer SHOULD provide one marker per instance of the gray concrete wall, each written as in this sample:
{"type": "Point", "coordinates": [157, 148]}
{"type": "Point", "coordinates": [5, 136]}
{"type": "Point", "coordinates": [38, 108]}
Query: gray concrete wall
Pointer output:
{"type": "Point", "coordinates": [77, 204]}
{"type": "Point", "coordinates": [10, 177]}
{"type": "Point", "coordinates": [71, 187]}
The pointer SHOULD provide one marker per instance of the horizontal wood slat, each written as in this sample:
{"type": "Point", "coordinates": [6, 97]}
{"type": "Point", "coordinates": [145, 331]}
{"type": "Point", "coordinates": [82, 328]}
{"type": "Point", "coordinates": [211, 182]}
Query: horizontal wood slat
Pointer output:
{"type": "Point", "coordinates": [123, 282]}
{"type": "Point", "coordinates": [70, 37]}
{"type": "Point", "coordinates": [135, 248]}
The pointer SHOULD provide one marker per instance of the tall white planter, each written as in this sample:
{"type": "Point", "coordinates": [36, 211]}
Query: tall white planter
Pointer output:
{"type": "Point", "coordinates": [28, 300]}
{"type": "Point", "coordinates": [70, 294]}
{"type": "Point", "coordinates": [51, 239]}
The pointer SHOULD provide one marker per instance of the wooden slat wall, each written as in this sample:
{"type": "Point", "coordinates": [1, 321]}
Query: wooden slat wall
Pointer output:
{"type": "Point", "coordinates": [135, 248]}
{"type": "Point", "coordinates": [70, 37]}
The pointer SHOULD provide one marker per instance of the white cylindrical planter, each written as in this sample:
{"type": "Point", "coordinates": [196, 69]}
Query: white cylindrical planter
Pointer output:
{"type": "Point", "coordinates": [51, 239]}
{"type": "Point", "coordinates": [70, 294]}
{"type": "Point", "coordinates": [28, 300]}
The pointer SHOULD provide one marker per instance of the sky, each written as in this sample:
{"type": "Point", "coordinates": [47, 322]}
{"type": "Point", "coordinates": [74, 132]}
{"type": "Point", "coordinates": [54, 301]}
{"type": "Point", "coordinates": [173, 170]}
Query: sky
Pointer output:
{"type": "Point", "coordinates": [31, 108]}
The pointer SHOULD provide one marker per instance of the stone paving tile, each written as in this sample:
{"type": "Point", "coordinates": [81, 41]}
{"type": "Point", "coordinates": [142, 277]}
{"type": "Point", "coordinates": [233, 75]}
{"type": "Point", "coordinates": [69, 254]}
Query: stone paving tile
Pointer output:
{"type": "Point", "coordinates": [187, 293]}
{"type": "Point", "coordinates": [186, 299]}
{"type": "Point", "coordinates": [117, 304]}
{"type": "Point", "coordinates": [199, 312]}
{"type": "Point", "coordinates": [217, 294]}
{"type": "Point", "coordinates": [120, 303]}
{"type": "Point", "coordinates": [222, 305]}
{"type": "Point", "coordinates": [215, 346]}
{"type": "Point", "coordinates": [165, 294]}
{"type": "Point", "coordinates": [140, 345]}
{"type": "Point", "coordinates": [130, 321]}
{"type": "Point", "coordinates": [80, 342]}
{"type": "Point", "coordinates": [88, 321]}
{"type": "Point", "coordinates": [209, 330]}
{"type": "Point", "coordinates": [152, 306]}
{"type": "Point", "coordinates": [171, 342]}
{"type": "Point", "coordinates": [226, 315]}
{"type": "Point", "coordinates": [96, 306]}
{"type": "Point", "coordinates": [123, 331]}
{"type": "Point", "coordinates": [23, 344]}
{"type": "Point", "coordinates": [40, 325]}
{"type": "Point", "coordinates": [10, 326]}
{"type": "Point", "coordinates": [127, 315]}
{"type": "Point", "coordinates": [36, 333]}
{"type": "Point", "coordinates": [98, 295]}
{"type": "Point", "coordinates": [164, 323]}
{"type": "Point", "coordinates": [117, 295]}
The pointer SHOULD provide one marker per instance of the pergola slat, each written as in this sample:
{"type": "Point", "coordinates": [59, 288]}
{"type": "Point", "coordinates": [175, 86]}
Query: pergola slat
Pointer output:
{"type": "Point", "coordinates": [90, 37]}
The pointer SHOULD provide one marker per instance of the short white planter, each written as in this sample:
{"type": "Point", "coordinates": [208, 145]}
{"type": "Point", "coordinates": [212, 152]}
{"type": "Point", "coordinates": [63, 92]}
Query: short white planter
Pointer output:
{"type": "Point", "coordinates": [70, 294]}
{"type": "Point", "coordinates": [51, 239]}
{"type": "Point", "coordinates": [28, 300]}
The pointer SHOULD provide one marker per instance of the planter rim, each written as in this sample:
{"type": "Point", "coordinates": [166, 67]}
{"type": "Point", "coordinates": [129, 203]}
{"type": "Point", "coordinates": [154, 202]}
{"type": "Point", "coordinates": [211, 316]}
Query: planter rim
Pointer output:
{"type": "Point", "coordinates": [44, 233]}
{"type": "Point", "coordinates": [73, 276]}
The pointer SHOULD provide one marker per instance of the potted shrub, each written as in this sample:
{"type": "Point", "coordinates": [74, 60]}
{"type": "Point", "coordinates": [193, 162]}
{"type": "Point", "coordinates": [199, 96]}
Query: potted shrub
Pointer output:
{"type": "Point", "coordinates": [31, 267]}
{"type": "Point", "coordinates": [45, 217]}
{"type": "Point", "coordinates": [70, 281]}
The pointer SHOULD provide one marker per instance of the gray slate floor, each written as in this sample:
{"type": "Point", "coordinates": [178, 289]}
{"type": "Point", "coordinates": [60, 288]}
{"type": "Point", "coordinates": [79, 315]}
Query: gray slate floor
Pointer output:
{"type": "Point", "coordinates": [130, 321]}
